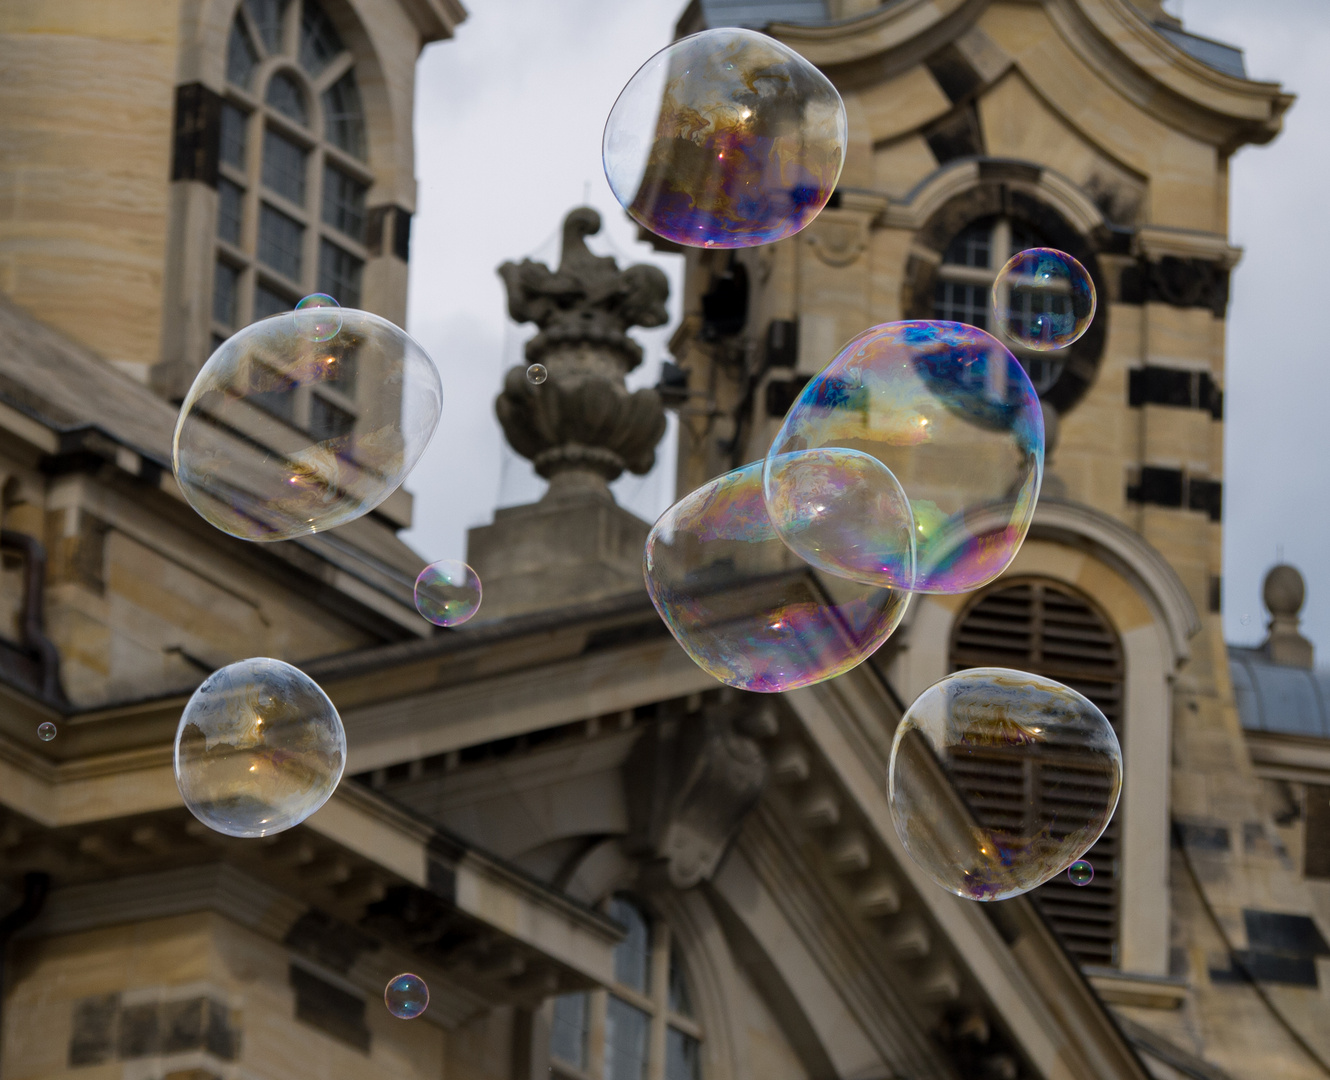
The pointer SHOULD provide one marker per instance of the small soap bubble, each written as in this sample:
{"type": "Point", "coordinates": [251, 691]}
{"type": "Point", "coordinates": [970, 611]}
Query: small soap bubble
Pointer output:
{"type": "Point", "coordinates": [1047, 749]}
{"type": "Point", "coordinates": [406, 996]}
{"type": "Point", "coordinates": [744, 606]}
{"type": "Point", "coordinates": [259, 748]}
{"type": "Point", "coordinates": [320, 317]}
{"type": "Point", "coordinates": [1080, 872]}
{"type": "Point", "coordinates": [725, 139]}
{"type": "Point", "coordinates": [282, 435]}
{"type": "Point", "coordinates": [537, 374]}
{"type": "Point", "coordinates": [1043, 299]}
{"type": "Point", "coordinates": [952, 418]}
{"type": "Point", "coordinates": [46, 731]}
{"type": "Point", "coordinates": [448, 592]}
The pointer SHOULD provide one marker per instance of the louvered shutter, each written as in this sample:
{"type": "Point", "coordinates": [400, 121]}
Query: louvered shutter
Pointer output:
{"type": "Point", "coordinates": [1045, 628]}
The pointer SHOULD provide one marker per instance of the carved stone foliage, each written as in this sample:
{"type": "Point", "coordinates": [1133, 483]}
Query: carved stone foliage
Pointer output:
{"type": "Point", "coordinates": [1177, 282]}
{"type": "Point", "coordinates": [690, 783]}
{"type": "Point", "coordinates": [583, 418]}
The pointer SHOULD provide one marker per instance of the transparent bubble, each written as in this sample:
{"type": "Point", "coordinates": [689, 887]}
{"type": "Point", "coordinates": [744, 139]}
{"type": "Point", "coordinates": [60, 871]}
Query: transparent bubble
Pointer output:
{"type": "Point", "coordinates": [952, 416]}
{"type": "Point", "coordinates": [537, 374]}
{"type": "Point", "coordinates": [259, 748]}
{"type": "Point", "coordinates": [282, 436]}
{"type": "Point", "coordinates": [320, 318]}
{"type": "Point", "coordinates": [843, 512]}
{"type": "Point", "coordinates": [725, 139]}
{"type": "Point", "coordinates": [46, 731]}
{"type": "Point", "coordinates": [744, 607]}
{"type": "Point", "coordinates": [447, 592]}
{"type": "Point", "coordinates": [1080, 872]}
{"type": "Point", "coordinates": [1043, 299]}
{"type": "Point", "coordinates": [1000, 780]}
{"type": "Point", "coordinates": [406, 996]}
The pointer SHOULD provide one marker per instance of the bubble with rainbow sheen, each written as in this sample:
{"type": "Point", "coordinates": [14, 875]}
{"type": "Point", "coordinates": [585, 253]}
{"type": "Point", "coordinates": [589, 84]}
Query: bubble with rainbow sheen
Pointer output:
{"type": "Point", "coordinates": [283, 435]}
{"type": "Point", "coordinates": [319, 318]}
{"type": "Point", "coordinates": [406, 996]}
{"type": "Point", "coordinates": [1047, 747]}
{"type": "Point", "coordinates": [258, 749]}
{"type": "Point", "coordinates": [953, 418]}
{"type": "Point", "coordinates": [448, 592]}
{"type": "Point", "coordinates": [1043, 299]}
{"type": "Point", "coordinates": [744, 606]}
{"type": "Point", "coordinates": [725, 139]}
{"type": "Point", "coordinates": [1080, 873]}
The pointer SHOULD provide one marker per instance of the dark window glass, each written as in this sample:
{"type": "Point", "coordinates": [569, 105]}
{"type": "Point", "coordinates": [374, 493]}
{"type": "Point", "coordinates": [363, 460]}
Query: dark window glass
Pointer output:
{"type": "Point", "coordinates": [230, 199]}
{"type": "Point", "coordinates": [225, 288]}
{"type": "Point", "coordinates": [342, 374]}
{"type": "Point", "coordinates": [280, 240]}
{"type": "Point", "coordinates": [327, 421]}
{"type": "Point", "coordinates": [280, 400]}
{"type": "Point", "coordinates": [284, 166]}
{"type": "Point", "coordinates": [267, 302]}
{"type": "Point", "coordinates": [241, 59]}
{"type": "Point", "coordinates": [345, 119]}
{"type": "Point", "coordinates": [679, 1000]}
{"type": "Point", "coordinates": [217, 342]}
{"type": "Point", "coordinates": [285, 95]}
{"type": "Point", "coordinates": [626, 1032]}
{"type": "Point", "coordinates": [267, 16]}
{"type": "Point", "coordinates": [344, 203]}
{"type": "Point", "coordinates": [339, 274]}
{"type": "Point", "coordinates": [632, 956]}
{"type": "Point", "coordinates": [319, 43]}
{"type": "Point", "coordinates": [233, 135]}
{"type": "Point", "coordinates": [972, 246]}
{"type": "Point", "coordinates": [956, 302]}
{"type": "Point", "coordinates": [1023, 238]}
{"type": "Point", "coordinates": [682, 1056]}
{"type": "Point", "coordinates": [568, 1032]}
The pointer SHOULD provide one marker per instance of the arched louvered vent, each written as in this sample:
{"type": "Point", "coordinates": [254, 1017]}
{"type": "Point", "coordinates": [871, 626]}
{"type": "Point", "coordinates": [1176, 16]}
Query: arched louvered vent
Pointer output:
{"type": "Point", "coordinates": [1045, 628]}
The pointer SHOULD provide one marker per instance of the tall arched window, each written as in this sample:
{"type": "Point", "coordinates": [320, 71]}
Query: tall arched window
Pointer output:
{"type": "Point", "coordinates": [293, 176]}
{"type": "Point", "coordinates": [1046, 628]}
{"type": "Point", "coordinates": [644, 1027]}
{"type": "Point", "coordinates": [963, 292]}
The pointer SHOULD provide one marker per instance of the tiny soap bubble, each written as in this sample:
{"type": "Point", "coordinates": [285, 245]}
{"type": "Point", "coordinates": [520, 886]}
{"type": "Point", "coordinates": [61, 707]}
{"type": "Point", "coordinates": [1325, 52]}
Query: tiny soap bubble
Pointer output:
{"type": "Point", "coordinates": [46, 731]}
{"type": "Point", "coordinates": [406, 996]}
{"type": "Point", "coordinates": [448, 592]}
{"type": "Point", "coordinates": [319, 317]}
{"type": "Point", "coordinates": [1080, 872]}
{"type": "Point", "coordinates": [537, 374]}
{"type": "Point", "coordinates": [1043, 299]}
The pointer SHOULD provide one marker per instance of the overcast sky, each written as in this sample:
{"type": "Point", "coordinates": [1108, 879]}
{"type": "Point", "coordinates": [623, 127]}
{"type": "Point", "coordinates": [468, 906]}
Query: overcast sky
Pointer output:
{"type": "Point", "coordinates": [508, 125]}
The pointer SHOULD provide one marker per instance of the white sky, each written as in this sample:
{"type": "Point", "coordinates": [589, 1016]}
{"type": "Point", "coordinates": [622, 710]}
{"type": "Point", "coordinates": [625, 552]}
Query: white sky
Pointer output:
{"type": "Point", "coordinates": [508, 125]}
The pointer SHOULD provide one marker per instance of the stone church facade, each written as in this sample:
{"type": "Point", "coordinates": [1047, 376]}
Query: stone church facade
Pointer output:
{"type": "Point", "coordinates": [604, 865]}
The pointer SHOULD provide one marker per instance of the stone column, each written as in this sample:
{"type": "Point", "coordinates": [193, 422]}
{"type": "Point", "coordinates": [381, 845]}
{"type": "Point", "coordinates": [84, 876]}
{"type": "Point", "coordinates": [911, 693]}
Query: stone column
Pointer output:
{"type": "Point", "coordinates": [581, 429]}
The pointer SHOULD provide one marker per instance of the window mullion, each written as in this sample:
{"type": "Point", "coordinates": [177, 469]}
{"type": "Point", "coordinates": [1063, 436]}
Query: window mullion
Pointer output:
{"type": "Point", "coordinates": [334, 71]}
{"type": "Point", "coordinates": [660, 990]}
{"type": "Point", "coordinates": [1000, 251]}
{"type": "Point", "coordinates": [595, 1051]}
{"type": "Point", "coordinates": [291, 30]}
{"type": "Point", "coordinates": [314, 214]}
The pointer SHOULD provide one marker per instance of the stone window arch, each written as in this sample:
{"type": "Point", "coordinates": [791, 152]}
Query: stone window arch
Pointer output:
{"type": "Point", "coordinates": [1048, 628]}
{"type": "Point", "coordinates": [293, 174]}
{"type": "Point", "coordinates": [645, 1025]}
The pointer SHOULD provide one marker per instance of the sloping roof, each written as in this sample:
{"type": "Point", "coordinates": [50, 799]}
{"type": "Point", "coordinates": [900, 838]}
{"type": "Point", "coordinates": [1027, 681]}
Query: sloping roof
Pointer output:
{"type": "Point", "coordinates": [1273, 697]}
{"type": "Point", "coordinates": [1215, 54]}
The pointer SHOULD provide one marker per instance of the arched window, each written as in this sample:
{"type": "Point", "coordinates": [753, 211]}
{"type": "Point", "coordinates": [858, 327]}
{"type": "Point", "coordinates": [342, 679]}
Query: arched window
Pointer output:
{"type": "Point", "coordinates": [963, 292]}
{"type": "Point", "coordinates": [1048, 629]}
{"type": "Point", "coordinates": [644, 1027]}
{"type": "Point", "coordinates": [293, 176]}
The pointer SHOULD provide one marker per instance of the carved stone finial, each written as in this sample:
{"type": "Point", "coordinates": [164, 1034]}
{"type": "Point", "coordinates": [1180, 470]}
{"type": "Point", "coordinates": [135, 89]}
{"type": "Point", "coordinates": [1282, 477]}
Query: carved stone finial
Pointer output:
{"type": "Point", "coordinates": [582, 428]}
{"type": "Point", "coordinates": [1284, 592]}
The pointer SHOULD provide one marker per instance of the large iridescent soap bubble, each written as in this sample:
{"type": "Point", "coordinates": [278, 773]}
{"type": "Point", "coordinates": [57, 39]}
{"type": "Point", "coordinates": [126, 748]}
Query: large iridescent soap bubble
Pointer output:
{"type": "Point", "coordinates": [744, 607]}
{"type": "Point", "coordinates": [1043, 299]}
{"type": "Point", "coordinates": [1000, 780]}
{"type": "Point", "coordinates": [304, 421]}
{"type": "Point", "coordinates": [954, 419]}
{"type": "Point", "coordinates": [725, 139]}
{"type": "Point", "coordinates": [259, 748]}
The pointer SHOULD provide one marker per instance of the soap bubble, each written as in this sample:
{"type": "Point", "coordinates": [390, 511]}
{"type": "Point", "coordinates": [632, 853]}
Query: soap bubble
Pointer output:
{"type": "Point", "coordinates": [259, 748]}
{"type": "Point", "coordinates": [725, 139]}
{"type": "Point", "coordinates": [1043, 299]}
{"type": "Point", "coordinates": [744, 607]}
{"type": "Point", "coordinates": [1080, 872]}
{"type": "Point", "coordinates": [447, 592]}
{"type": "Point", "coordinates": [46, 731]}
{"type": "Point", "coordinates": [843, 512]}
{"type": "Point", "coordinates": [406, 996]}
{"type": "Point", "coordinates": [1000, 780]}
{"type": "Point", "coordinates": [321, 317]}
{"type": "Point", "coordinates": [282, 436]}
{"type": "Point", "coordinates": [953, 417]}
{"type": "Point", "coordinates": [537, 374]}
